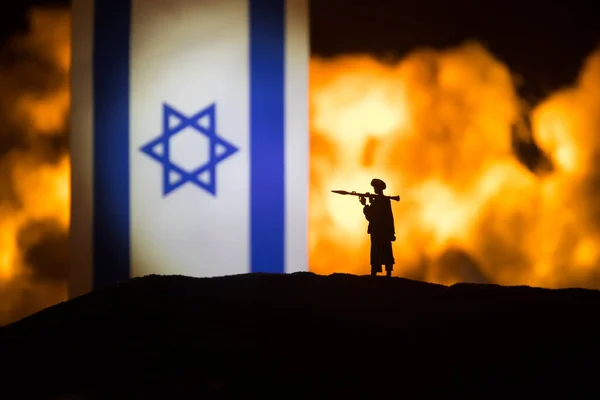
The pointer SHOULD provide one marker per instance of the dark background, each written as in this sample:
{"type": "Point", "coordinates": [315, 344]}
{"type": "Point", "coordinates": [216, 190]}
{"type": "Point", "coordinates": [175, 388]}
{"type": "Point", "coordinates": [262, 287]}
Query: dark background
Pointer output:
{"type": "Point", "coordinates": [543, 41]}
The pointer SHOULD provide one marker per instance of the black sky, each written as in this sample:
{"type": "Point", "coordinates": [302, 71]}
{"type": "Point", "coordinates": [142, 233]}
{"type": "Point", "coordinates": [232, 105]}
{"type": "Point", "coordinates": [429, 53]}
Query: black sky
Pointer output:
{"type": "Point", "coordinates": [544, 41]}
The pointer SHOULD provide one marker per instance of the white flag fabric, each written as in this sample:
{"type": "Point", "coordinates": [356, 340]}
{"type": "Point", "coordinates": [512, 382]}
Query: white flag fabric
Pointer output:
{"type": "Point", "coordinates": [189, 138]}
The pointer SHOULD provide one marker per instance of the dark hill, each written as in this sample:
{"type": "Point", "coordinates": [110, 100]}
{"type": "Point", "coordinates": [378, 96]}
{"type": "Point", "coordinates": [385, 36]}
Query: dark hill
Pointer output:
{"type": "Point", "coordinates": [307, 336]}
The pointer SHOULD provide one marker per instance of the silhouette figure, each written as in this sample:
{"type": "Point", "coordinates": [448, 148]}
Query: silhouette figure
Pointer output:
{"type": "Point", "coordinates": [381, 228]}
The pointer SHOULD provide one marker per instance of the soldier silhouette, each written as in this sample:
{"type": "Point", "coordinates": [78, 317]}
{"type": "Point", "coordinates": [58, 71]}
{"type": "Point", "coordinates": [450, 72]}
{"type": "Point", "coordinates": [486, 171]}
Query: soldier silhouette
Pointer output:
{"type": "Point", "coordinates": [381, 228]}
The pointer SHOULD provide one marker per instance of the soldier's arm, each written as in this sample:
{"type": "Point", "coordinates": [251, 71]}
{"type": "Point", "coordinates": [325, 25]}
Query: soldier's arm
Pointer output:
{"type": "Point", "coordinates": [367, 212]}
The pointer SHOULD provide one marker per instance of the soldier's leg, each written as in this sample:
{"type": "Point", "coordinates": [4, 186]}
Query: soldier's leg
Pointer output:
{"type": "Point", "coordinates": [388, 270]}
{"type": "Point", "coordinates": [373, 257]}
{"type": "Point", "coordinates": [389, 259]}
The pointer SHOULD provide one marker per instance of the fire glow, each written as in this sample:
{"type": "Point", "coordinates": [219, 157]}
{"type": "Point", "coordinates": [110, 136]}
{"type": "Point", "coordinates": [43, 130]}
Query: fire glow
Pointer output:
{"type": "Point", "coordinates": [437, 126]}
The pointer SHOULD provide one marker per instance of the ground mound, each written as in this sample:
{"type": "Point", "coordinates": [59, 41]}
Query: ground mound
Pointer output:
{"type": "Point", "coordinates": [306, 336]}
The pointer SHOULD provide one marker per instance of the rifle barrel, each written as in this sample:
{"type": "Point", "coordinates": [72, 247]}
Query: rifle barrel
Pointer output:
{"type": "Point", "coordinates": [370, 195]}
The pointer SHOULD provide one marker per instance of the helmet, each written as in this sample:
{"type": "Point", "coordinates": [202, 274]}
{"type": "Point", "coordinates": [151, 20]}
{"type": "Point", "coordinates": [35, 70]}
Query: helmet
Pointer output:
{"type": "Point", "coordinates": [378, 183]}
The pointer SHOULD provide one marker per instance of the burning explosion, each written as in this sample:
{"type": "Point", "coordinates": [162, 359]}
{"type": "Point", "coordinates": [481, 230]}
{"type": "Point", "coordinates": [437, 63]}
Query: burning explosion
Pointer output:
{"type": "Point", "coordinates": [491, 191]}
{"type": "Point", "coordinates": [34, 166]}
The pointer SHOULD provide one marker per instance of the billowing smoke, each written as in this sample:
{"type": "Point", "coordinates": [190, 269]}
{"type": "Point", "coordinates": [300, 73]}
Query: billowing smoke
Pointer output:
{"type": "Point", "coordinates": [493, 189]}
{"type": "Point", "coordinates": [34, 165]}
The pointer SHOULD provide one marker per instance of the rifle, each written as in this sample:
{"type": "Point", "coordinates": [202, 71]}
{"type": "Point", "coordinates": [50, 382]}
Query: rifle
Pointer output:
{"type": "Point", "coordinates": [371, 196]}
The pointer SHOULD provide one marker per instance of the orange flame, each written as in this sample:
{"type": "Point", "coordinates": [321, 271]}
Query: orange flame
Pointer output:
{"type": "Point", "coordinates": [41, 185]}
{"type": "Point", "coordinates": [437, 127]}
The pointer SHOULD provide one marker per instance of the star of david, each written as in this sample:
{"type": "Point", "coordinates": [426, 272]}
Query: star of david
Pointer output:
{"type": "Point", "coordinates": [205, 175]}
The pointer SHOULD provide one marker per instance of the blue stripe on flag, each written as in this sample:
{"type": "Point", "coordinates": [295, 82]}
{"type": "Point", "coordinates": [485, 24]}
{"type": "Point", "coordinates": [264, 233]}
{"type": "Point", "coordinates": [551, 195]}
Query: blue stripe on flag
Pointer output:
{"type": "Point", "coordinates": [267, 130]}
{"type": "Point", "coordinates": [111, 141]}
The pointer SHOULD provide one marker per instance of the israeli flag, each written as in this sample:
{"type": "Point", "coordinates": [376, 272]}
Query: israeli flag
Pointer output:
{"type": "Point", "coordinates": [189, 138]}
